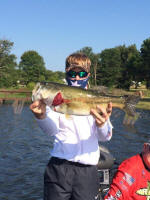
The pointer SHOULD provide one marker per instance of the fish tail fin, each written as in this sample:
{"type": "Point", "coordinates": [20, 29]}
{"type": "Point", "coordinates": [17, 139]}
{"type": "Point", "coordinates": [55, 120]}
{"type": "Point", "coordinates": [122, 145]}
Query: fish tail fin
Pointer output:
{"type": "Point", "coordinates": [130, 104]}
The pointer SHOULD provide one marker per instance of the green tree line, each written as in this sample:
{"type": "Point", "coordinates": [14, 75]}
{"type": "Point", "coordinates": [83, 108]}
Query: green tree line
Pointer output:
{"type": "Point", "coordinates": [115, 67]}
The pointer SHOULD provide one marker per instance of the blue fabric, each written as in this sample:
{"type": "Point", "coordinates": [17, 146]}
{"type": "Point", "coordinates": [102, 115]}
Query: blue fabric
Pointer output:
{"type": "Point", "coordinates": [77, 83]}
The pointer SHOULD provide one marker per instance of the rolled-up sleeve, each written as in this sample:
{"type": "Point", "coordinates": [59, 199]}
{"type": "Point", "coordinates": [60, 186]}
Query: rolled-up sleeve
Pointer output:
{"type": "Point", "coordinates": [47, 125]}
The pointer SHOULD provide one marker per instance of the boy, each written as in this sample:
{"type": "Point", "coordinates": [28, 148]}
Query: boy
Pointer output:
{"type": "Point", "coordinates": [71, 173]}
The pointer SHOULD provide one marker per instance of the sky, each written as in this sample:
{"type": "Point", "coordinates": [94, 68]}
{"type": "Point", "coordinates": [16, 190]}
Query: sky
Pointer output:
{"type": "Point", "coordinates": [57, 28]}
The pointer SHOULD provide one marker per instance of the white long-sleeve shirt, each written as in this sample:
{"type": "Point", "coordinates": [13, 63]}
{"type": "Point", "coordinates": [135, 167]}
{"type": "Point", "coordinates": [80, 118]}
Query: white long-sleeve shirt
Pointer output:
{"type": "Point", "coordinates": [75, 137]}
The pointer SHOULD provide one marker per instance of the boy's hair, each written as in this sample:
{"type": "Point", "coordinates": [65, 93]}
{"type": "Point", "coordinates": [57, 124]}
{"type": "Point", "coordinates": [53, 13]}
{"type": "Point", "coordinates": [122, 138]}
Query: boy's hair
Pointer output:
{"type": "Point", "coordinates": [78, 60]}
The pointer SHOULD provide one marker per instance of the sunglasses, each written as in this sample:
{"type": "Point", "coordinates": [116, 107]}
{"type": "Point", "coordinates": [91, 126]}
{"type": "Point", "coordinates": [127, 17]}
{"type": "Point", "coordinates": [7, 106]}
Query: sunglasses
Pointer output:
{"type": "Point", "coordinates": [73, 74]}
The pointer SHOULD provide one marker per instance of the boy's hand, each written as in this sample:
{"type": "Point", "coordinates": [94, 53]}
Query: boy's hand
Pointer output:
{"type": "Point", "coordinates": [101, 114]}
{"type": "Point", "coordinates": [39, 109]}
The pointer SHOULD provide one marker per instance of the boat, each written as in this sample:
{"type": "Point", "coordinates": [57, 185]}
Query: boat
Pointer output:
{"type": "Point", "coordinates": [106, 167]}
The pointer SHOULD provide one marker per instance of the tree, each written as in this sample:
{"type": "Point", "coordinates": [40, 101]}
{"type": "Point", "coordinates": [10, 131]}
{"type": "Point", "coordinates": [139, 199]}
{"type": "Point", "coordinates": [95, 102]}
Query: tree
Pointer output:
{"type": "Point", "coordinates": [33, 66]}
{"type": "Point", "coordinates": [95, 63]}
{"type": "Point", "coordinates": [134, 69]}
{"type": "Point", "coordinates": [145, 56]}
{"type": "Point", "coordinates": [130, 65]}
{"type": "Point", "coordinates": [55, 76]}
{"type": "Point", "coordinates": [7, 64]}
{"type": "Point", "coordinates": [109, 71]}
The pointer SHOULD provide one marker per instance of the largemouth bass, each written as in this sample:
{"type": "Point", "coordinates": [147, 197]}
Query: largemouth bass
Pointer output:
{"type": "Point", "coordinates": [77, 101]}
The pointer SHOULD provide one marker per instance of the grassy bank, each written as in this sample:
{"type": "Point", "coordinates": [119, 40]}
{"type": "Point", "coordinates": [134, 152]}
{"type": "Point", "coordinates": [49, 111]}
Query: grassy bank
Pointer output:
{"type": "Point", "coordinates": [144, 104]}
{"type": "Point", "coordinates": [15, 93]}
{"type": "Point", "coordinates": [8, 96]}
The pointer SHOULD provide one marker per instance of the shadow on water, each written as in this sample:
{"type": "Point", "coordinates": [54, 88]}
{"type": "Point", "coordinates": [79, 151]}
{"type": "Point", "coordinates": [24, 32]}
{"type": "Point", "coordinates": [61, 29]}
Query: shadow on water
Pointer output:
{"type": "Point", "coordinates": [24, 150]}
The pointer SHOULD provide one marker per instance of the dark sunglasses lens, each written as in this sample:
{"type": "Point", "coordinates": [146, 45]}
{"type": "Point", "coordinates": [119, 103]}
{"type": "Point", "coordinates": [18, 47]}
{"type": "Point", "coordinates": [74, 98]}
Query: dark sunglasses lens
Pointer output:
{"type": "Point", "coordinates": [71, 74]}
{"type": "Point", "coordinates": [83, 74]}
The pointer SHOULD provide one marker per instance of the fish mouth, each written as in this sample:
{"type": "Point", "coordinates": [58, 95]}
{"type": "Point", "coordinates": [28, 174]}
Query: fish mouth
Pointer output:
{"type": "Point", "coordinates": [36, 92]}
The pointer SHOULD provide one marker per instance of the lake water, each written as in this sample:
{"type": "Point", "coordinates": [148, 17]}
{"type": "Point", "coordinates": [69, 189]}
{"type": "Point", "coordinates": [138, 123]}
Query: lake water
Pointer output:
{"type": "Point", "coordinates": [24, 150]}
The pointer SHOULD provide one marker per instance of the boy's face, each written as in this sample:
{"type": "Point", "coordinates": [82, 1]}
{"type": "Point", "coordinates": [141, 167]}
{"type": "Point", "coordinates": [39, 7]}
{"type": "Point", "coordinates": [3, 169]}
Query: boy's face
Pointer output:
{"type": "Point", "coordinates": [77, 74]}
{"type": "Point", "coordinates": [146, 154]}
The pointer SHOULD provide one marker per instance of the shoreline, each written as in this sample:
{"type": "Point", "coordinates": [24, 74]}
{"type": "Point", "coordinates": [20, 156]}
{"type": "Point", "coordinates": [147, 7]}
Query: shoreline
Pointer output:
{"type": "Point", "coordinates": [11, 100]}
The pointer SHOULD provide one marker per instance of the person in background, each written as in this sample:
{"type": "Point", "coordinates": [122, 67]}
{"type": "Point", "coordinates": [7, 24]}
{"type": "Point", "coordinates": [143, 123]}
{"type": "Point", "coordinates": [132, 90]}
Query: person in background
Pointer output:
{"type": "Point", "coordinates": [71, 173]}
{"type": "Point", "coordinates": [132, 179]}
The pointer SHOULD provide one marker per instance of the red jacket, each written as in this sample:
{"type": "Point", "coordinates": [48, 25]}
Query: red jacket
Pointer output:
{"type": "Point", "coordinates": [131, 181]}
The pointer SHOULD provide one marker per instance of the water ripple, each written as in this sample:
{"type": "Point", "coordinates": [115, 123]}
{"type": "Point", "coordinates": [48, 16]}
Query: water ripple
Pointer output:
{"type": "Point", "coordinates": [24, 150]}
